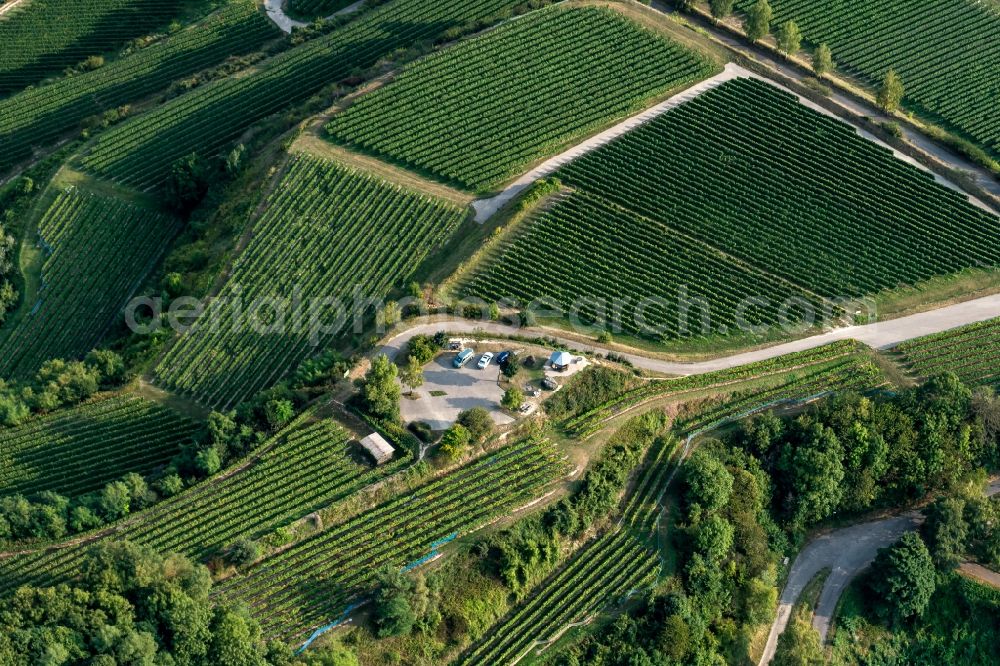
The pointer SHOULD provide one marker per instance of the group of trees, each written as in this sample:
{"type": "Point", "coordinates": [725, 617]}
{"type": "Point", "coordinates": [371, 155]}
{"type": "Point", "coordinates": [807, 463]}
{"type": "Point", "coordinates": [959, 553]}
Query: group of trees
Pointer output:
{"type": "Point", "coordinates": [853, 453]}
{"type": "Point", "coordinates": [747, 498]}
{"type": "Point", "coordinates": [130, 605]}
{"type": "Point", "coordinates": [49, 515]}
{"type": "Point", "coordinates": [788, 39]}
{"type": "Point", "coordinates": [59, 383]}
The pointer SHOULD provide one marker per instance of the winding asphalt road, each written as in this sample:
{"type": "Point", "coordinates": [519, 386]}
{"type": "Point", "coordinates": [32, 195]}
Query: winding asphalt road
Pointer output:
{"type": "Point", "coordinates": [881, 335]}
{"type": "Point", "coordinates": [846, 552]}
{"type": "Point", "coordinates": [275, 10]}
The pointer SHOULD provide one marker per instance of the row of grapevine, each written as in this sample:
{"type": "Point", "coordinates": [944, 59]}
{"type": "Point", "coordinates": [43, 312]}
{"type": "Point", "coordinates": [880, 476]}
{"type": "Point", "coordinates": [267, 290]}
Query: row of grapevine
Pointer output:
{"type": "Point", "coordinates": [327, 231]}
{"type": "Point", "coordinates": [79, 450]}
{"type": "Point", "coordinates": [314, 8]}
{"type": "Point", "coordinates": [305, 585]}
{"type": "Point", "coordinates": [580, 250]}
{"type": "Point", "coordinates": [39, 116]}
{"type": "Point", "coordinates": [50, 35]}
{"type": "Point", "coordinates": [945, 50]}
{"type": "Point", "coordinates": [98, 250]}
{"type": "Point", "coordinates": [971, 352]}
{"type": "Point", "coordinates": [140, 152]}
{"type": "Point", "coordinates": [305, 468]}
{"type": "Point", "coordinates": [582, 425]}
{"type": "Point", "coordinates": [603, 571]}
{"type": "Point", "coordinates": [478, 113]}
{"type": "Point", "coordinates": [748, 169]}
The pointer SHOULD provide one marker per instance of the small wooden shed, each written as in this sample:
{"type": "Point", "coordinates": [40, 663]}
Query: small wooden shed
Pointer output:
{"type": "Point", "coordinates": [379, 449]}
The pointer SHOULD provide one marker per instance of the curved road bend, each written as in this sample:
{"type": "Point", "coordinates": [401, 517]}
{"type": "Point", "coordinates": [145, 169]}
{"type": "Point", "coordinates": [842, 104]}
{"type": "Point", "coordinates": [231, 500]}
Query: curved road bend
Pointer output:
{"type": "Point", "coordinates": [881, 335]}
{"type": "Point", "coordinates": [846, 552]}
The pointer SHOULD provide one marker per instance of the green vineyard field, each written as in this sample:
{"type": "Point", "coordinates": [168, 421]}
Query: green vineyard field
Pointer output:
{"type": "Point", "coordinates": [478, 113]}
{"type": "Point", "coordinates": [304, 468]}
{"type": "Point", "coordinates": [79, 450]}
{"type": "Point", "coordinates": [971, 352]}
{"type": "Point", "coordinates": [314, 8]}
{"type": "Point", "coordinates": [39, 116]}
{"type": "Point", "coordinates": [51, 35]}
{"type": "Point", "coordinates": [593, 250]}
{"type": "Point", "coordinates": [97, 251]}
{"type": "Point", "coordinates": [304, 586]}
{"type": "Point", "coordinates": [840, 365]}
{"type": "Point", "coordinates": [752, 172]}
{"type": "Point", "coordinates": [326, 232]}
{"type": "Point", "coordinates": [946, 52]}
{"type": "Point", "coordinates": [140, 152]}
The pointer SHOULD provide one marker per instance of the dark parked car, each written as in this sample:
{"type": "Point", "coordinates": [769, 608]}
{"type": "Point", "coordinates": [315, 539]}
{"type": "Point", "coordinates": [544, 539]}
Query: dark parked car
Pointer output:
{"type": "Point", "coordinates": [502, 358]}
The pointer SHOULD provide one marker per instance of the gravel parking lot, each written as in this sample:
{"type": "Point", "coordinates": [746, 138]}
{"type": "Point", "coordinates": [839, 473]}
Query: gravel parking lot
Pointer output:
{"type": "Point", "coordinates": [447, 391]}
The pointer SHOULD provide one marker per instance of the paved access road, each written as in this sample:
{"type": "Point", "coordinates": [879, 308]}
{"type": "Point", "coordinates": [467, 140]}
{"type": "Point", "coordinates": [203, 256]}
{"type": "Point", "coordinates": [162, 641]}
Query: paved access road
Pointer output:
{"type": "Point", "coordinates": [846, 552]}
{"type": "Point", "coordinates": [882, 335]}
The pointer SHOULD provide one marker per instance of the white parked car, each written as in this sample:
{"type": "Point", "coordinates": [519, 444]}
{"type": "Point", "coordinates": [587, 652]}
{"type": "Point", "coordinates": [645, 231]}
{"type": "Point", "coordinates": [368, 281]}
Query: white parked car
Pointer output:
{"type": "Point", "coordinates": [484, 360]}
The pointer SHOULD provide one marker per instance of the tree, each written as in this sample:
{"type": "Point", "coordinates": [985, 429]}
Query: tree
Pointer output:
{"type": "Point", "coordinates": [709, 484]}
{"type": "Point", "coordinates": [823, 60]}
{"type": "Point", "coordinates": [380, 391]}
{"type": "Point", "coordinates": [187, 183]}
{"type": "Point", "coordinates": [817, 475]}
{"type": "Point", "coordinates": [511, 367]}
{"type": "Point", "coordinates": [235, 639]}
{"type": "Point", "coordinates": [799, 644]}
{"type": "Point", "coordinates": [244, 551]}
{"type": "Point", "coordinates": [513, 398]}
{"type": "Point", "coordinates": [902, 578]}
{"type": "Point", "coordinates": [207, 461]}
{"type": "Point", "coordinates": [789, 38]}
{"type": "Point", "coordinates": [714, 538]}
{"type": "Point", "coordinates": [114, 500]}
{"type": "Point", "coordinates": [109, 366]}
{"type": "Point", "coordinates": [413, 374]}
{"type": "Point", "coordinates": [278, 413]}
{"type": "Point", "coordinates": [478, 422]}
{"type": "Point", "coordinates": [946, 531]}
{"type": "Point", "coordinates": [391, 314]}
{"type": "Point", "coordinates": [423, 348]}
{"type": "Point", "coordinates": [455, 442]}
{"type": "Point", "coordinates": [394, 614]}
{"type": "Point", "coordinates": [721, 8]}
{"type": "Point", "coordinates": [758, 24]}
{"type": "Point", "coordinates": [891, 92]}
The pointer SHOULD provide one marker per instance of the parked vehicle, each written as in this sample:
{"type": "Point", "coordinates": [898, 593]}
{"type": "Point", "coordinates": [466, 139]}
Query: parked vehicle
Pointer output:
{"type": "Point", "coordinates": [532, 391]}
{"type": "Point", "coordinates": [549, 384]}
{"type": "Point", "coordinates": [502, 358]}
{"type": "Point", "coordinates": [463, 357]}
{"type": "Point", "coordinates": [484, 360]}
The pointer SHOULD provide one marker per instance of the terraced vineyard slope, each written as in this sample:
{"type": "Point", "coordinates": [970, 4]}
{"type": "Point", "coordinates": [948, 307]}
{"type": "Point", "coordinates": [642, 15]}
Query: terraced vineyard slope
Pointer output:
{"type": "Point", "coordinates": [328, 232]}
{"type": "Point", "coordinates": [48, 36]}
{"type": "Point", "coordinates": [304, 468]}
{"type": "Point", "coordinates": [746, 171]}
{"type": "Point", "coordinates": [610, 568]}
{"type": "Point", "coordinates": [971, 352]}
{"type": "Point", "coordinates": [946, 52]}
{"type": "Point", "coordinates": [79, 450]}
{"type": "Point", "coordinates": [314, 8]}
{"type": "Point", "coordinates": [302, 587]}
{"type": "Point", "coordinates": [39, 116]}
{"type": "Point", "coordinates": [98, 249]}
{"type": "Point", "coordinates": [480, 112]}
{"type": "Point", "coordinates": [140, 152]}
